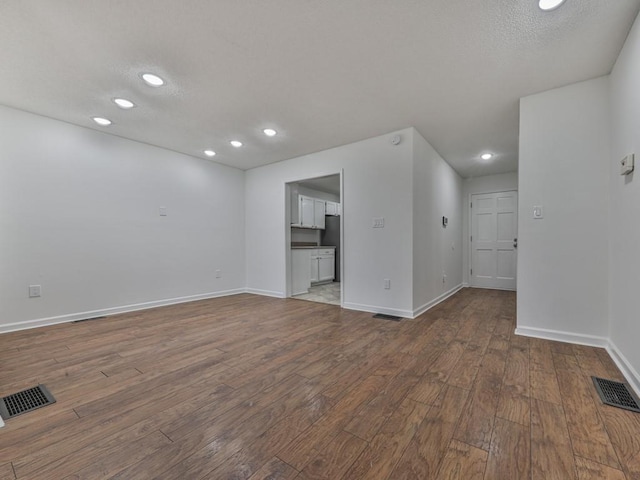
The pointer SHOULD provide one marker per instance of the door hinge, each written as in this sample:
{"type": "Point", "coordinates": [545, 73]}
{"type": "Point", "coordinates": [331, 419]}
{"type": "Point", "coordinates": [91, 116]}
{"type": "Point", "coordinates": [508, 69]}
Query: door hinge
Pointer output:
{"type": "Point", "coordinates": [471, 272]}
{"type": "Point", "coordinates": [471, 205]}
{"type": "Point", "coordinates": [471, 238]}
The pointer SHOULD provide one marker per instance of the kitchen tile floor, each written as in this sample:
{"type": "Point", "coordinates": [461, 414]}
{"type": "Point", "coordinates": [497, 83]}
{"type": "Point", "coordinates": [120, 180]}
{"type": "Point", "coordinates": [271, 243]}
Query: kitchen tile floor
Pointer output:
{"type": "Point", "coordinates": [325, 293]}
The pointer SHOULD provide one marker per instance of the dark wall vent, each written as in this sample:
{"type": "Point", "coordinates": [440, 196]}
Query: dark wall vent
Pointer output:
{"type": "Point", "coordinates": [616, 394]}
{"type": "Point", "coordinates": [384, 316]}
{"type": "Point", "coordinates": [25, 401]}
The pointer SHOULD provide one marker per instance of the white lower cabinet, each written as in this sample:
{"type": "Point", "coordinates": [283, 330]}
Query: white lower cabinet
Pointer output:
{"type": "Point", "coordinates": [300, 281]}
{"type": "Point", "coordinates": [313, 267]}
{"type": "Point", "coordinates": [309, 266]}
{"type": "Point", "coordinates": [326, 268]}
{"type": "Point", "coordinates": [322, 265]}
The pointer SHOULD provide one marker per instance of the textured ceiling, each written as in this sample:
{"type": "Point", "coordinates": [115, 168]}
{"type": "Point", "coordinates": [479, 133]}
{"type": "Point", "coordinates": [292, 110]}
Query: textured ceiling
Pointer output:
{"type": "Point", "coordinates": [323, 73]}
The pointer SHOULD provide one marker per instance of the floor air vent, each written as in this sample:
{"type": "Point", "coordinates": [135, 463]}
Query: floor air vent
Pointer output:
{"type": "Point", "coordinates": [25, 401]}
{"type": "Point", "coordinates": [384, 316]}
{"type": "Point", "coordinates": [88, 319]}
{"type": "Point", "coordinates": [616, 394]}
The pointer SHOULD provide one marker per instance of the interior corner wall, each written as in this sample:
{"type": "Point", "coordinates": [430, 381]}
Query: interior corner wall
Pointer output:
{"type": "Point", "coordinates": [625, 207]}
{"type": "Point", "coordinates": [487, 184]}
{"type": "Point", "coordinates": [377, 183]}
{"type": "Point", "coordinates": [563, 258]}
{"type": "Point", "coordinates": [79, 215]}
{"type": "Point", "coordinates": [437, 250]}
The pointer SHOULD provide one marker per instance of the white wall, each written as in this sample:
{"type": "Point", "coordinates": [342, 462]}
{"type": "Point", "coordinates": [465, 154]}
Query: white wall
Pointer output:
{"type": "Point", "coordinates": [305, 235]}
{"type": "Point", "coordinates": [625, 206]}
{"type": "Point", "coordinates": [377, 183]}
{"type": "Point", "coordinates": [564, 166]}
{"type": "Point", "coordinates": [310, 192]}
{"type": "Point", "coordinates": [437, 251]}
{"type": "Point", "coordinates": [79, 216]}
{"type": "Point", "coordinates": [487, 184]}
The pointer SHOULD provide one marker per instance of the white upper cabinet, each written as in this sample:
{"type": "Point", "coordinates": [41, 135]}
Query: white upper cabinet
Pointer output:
{"type": "Point", "coordinates": [332, 208]}
{"type": "Point", "coordinates": [307, 212]}
{"type": "Point", "coordinates": [318, 213]}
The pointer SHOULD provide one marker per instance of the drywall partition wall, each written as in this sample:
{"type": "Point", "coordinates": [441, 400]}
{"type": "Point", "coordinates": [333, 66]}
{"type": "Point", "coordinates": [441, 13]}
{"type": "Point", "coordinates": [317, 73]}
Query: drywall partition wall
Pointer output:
{"type": "Point", "coordinates": [79, 215]}
{"type": "Point", "coordinates": [563, 257]}
{"type": "Point", "coordinates": [309, 192]}
{"type": "Point", "coordinates": [487, 184]}
{"type": "Point", "coordinates": [377, 183]}
{"type": "Point", "coordinates": [437, 251]}
{"type": "Point", "coordinates": [625, 208]}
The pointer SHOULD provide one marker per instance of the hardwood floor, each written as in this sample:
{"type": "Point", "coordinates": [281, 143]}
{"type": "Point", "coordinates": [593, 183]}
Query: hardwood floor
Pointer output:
{"type": "Point", "coordinates": [249, 387]}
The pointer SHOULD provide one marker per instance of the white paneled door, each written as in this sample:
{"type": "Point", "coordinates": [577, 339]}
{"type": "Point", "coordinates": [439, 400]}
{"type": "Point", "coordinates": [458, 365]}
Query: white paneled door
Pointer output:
{"type": "Point", "coordinates": [494, 240]}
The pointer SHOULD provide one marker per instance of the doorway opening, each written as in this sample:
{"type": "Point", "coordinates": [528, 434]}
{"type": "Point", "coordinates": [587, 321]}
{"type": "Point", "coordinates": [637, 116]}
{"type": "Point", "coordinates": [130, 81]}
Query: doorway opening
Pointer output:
{"type": "Point", "coordinates": [314, 238]}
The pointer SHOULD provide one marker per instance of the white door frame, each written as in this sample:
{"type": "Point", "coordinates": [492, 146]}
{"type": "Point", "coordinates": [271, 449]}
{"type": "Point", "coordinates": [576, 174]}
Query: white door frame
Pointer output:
{"type": "Point", "coordinates": [470, 232]}
{"type": "Point", "coordinates": [287, 232]}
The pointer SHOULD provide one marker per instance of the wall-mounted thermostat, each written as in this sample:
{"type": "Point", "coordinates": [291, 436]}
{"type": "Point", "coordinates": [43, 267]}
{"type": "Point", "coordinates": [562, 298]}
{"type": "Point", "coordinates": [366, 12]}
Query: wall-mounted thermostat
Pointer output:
{"type": "Point", "coordinates": [626, 165]}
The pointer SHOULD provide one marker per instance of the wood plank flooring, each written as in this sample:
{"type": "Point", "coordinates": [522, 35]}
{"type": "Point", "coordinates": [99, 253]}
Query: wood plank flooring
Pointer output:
{"type": "Point", "coordinates": [249, 387]}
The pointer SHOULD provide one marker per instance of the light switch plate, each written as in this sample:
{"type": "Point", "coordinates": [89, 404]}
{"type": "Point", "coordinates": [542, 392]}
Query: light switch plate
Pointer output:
{"type": "Point", "coordinates": [626, 165]}
{"type": "Point", "coordinates": [378, 222]}
{"type": "Point", "coordinates": [35, 291]}
{"type": "Point", "coordinates": [163, 211]}
{"type": "Point", "coordinates": [538, 212]}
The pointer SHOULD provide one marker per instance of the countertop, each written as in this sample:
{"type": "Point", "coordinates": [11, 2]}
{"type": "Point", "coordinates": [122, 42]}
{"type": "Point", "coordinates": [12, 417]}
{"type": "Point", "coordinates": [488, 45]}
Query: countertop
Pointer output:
{"type": "Point", "coordinates": [312, 247]}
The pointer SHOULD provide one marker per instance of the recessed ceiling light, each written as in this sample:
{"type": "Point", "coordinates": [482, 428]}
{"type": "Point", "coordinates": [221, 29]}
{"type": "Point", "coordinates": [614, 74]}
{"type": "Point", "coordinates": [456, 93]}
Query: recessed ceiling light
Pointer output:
{"type": "Point", "coordinates": [269, 132]}
{"type": "Point", "coordinates": [486, 156]}
{"type": "Point", "coordinates": [548, 5]}
{"type": "Point", "coordinates": [209, 153]}
{"type": "Point", "coordinates": [104, 122]}
{"type": "Point", "coordinates": [124, 103]}
{"type": "Point", "coordinates": [236, 143]}
{"type": "Point", "coordinates": [153, 80]}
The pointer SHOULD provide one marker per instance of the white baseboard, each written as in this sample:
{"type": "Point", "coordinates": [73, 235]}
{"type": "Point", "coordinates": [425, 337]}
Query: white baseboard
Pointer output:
{"type": "Point", "coordinates": [399, 312]}
{"type": "Point", "coordinates": [266, 293]}
{"type": "Point", "coordinates": [493, 288]}
{"type": "Point", "coordinates": [420, 310]}
{"type": "Point", "coordinates": [42, 322]}
{"type": "Point", "coordinates": [630, 373]}
{"type": "Point", "coordinates": [559, 336]}
{"type": "Point", "coordinates": [373, 309]}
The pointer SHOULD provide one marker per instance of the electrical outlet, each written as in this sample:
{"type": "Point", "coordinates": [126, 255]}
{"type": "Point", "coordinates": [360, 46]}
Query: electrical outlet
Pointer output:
{"type": "Point", "coordinates": [218, 274]}
{"type": "Point", "coordinates": [387, 284]}
{"type": "Point", "coordinates": [35, 291]}
{"type": "Point", "coordinates": [444, 278]}
{"type": "Point", "coordinates": [162, 211]}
